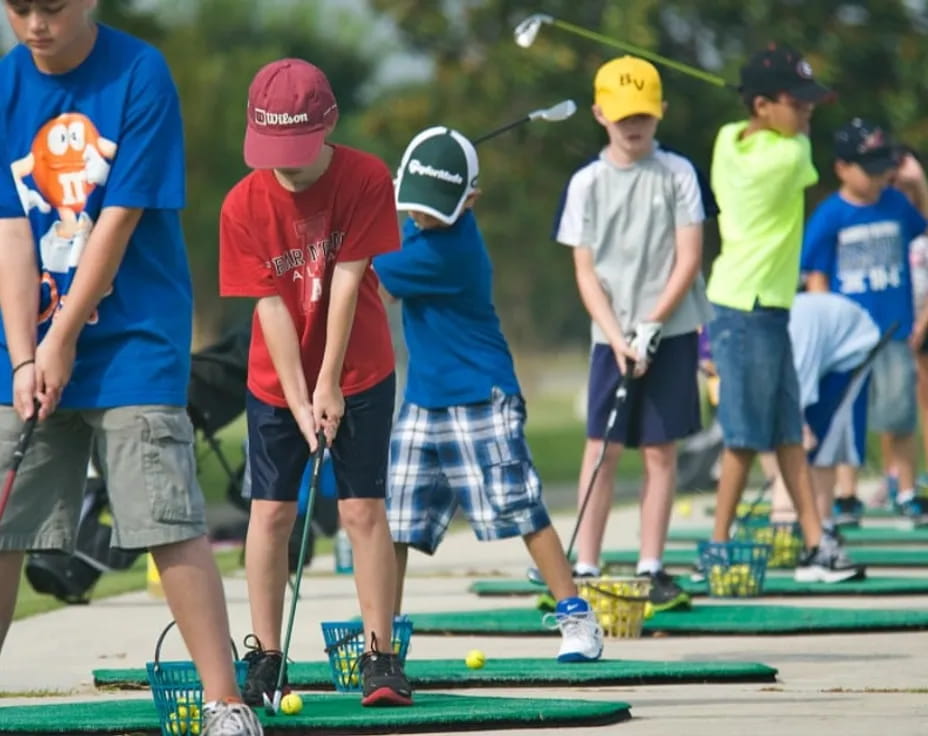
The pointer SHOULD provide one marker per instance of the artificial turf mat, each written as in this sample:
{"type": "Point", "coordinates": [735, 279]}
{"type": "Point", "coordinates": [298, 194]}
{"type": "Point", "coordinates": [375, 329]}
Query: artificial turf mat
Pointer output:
{"type": "Point", "coordinates": [773, 585]}
{"type": "Point", "coordinates": [869, 556]}
{"type": "Point", "coordinates": [852, 535]}
{"type": "Point", "coordinates": [329, 713]}
{"type": "Point", "coordinates": [721, 619]}
{"type": "Point", "coordinates": [764, 508]}
{"type": "Point", "coordinates": [448, 673]}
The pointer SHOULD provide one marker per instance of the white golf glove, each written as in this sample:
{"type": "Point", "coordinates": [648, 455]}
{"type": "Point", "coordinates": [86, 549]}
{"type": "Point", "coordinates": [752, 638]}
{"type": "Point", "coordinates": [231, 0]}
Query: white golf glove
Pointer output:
{"type": "Point", "coordinates": [644, 342]}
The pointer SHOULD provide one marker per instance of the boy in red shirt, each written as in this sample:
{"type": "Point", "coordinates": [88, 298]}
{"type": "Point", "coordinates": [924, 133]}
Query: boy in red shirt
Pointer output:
{"type": "Point", "coordinates": [298, 234]}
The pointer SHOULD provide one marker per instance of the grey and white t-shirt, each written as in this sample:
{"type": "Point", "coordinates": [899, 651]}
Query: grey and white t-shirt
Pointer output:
{"type": "Point", "coordinates": [629, 217]}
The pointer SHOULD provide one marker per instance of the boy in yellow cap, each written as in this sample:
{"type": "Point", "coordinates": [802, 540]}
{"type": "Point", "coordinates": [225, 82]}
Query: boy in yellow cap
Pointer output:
{"type": "Point", "coordinates": [633, 217]}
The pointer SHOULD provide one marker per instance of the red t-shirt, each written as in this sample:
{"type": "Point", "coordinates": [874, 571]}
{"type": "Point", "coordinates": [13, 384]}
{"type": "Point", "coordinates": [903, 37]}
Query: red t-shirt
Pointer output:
{"type": "Point", "coordinates": [276, 242]}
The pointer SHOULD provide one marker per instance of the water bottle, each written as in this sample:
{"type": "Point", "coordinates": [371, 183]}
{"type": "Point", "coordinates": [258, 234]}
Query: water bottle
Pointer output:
{"type": "Point", "coordinates": [344, 563]}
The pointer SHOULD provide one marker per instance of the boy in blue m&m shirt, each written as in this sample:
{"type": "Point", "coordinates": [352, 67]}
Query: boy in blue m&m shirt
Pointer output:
{"type": "Point", "coordinates": [459, 438]}
{"type": "Point", "coordinates": [97, 307]}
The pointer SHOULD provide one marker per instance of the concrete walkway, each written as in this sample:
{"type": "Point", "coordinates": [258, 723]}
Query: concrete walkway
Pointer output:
{"type": "Point", "coordinates": [851, 685]}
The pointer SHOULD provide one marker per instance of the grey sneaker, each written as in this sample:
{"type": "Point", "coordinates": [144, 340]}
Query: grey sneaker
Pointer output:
{"type": "Point", "coordinates": [230, 719]}
{"type": "Point", "coordinates": [827, 563]}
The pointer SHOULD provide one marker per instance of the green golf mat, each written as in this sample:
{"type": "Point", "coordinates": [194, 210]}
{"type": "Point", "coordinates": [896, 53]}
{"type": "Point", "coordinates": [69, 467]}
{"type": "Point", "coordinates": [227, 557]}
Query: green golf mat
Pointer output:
{"type": "Point", "coordinates": [869, 556]}
{"type": "Point", "coordinates": [329, 713]}
{"type": "Point", "coordinates": [721, 619]}
{"type": "Point", "coordinates": [773, 585]}
{"type": "Point", "coordinates": [764, 508]}
{"type": "Point", "coordinates": [449, 673]}
{"type": "Point", "coordinates": [852, 535]}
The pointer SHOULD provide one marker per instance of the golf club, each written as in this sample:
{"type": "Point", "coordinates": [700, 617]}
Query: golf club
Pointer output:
{"type": "Point", "coordinates": [554, 114]}
{"type": "Point", "coordinates": [534, 574]}
{"type": "Point", "coordinates": [22, 445]}
{"type": "Point", "coordinates": [271, 707]}
{"type": "Point", "coordinates": [527, 31]}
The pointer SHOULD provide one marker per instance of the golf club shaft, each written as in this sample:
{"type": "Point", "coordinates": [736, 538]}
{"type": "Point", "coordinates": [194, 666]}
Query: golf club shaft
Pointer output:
{"type": "Point", "coordinates": [501, 129]}
{"type": "Point", "coordinates": [620, 395]}
{"type": "Point", "coordinates": [22, 445]}
{"type": "Point", "coordinates": [643, 53]}
{"type": "Point", "coordinates": [304, 541]}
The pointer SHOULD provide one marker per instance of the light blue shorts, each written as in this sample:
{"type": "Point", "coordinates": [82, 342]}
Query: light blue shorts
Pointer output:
{"type": "Point", "coordinates": [893, 405]}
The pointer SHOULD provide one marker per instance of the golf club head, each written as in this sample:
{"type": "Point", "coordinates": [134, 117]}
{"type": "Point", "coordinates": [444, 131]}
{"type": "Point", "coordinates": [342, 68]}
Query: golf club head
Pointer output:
{"type": "Point", "coordinates": [534, 576]}
{"type": "Point", "coordinates": [556, 113]}
{"type": "Point", "coordinates": [527, 31]}
{"type": "Point", "coordinates": [272, 707]}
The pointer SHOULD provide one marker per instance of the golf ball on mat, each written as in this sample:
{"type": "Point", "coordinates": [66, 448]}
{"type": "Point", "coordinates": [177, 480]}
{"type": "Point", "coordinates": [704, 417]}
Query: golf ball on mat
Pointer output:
{"type": "Point", "coordinates": [291, 704]}
{"type": "Point", "coordinates": [475, 659]}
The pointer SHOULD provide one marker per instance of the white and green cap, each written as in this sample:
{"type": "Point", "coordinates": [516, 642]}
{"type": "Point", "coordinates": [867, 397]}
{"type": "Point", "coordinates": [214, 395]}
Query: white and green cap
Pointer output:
{"type": "Point", "coordinates": [438, 172]}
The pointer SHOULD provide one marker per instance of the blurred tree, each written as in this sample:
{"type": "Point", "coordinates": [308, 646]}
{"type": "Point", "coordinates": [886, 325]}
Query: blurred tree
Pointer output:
{"type": "Point", "coordinates": [872, 51]}
{"type": "Point", "coordinates": [214, 49]}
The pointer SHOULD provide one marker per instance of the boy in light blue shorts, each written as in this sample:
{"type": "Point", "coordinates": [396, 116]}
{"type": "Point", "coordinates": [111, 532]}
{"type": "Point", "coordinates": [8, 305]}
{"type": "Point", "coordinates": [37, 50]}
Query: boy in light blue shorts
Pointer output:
{"type": "Point", "coordinates": [857, 244]}
{"type": "Point", "coordinates": [459, 439]}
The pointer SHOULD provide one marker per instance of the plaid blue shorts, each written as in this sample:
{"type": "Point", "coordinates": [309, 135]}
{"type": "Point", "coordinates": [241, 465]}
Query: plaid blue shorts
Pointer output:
{"type": "Point", "coordinates": [474, 456]}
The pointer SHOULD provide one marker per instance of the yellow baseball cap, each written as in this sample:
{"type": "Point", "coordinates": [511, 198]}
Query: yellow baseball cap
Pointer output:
{"type": "Point", "coordinates": [628, 86]}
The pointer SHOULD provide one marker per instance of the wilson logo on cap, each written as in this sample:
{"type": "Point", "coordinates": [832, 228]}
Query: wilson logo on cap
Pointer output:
{"type": "Point", "coordinates": [263, 117]}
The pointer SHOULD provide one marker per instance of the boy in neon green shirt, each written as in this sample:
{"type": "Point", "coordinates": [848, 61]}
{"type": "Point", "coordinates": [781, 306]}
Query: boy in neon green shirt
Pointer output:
{"type": "Point", "coordinates": [760, 170]}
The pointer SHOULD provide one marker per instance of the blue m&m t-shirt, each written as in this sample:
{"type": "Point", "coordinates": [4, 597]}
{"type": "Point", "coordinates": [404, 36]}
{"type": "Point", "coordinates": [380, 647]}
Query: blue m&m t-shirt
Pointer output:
{"type": "Point", "coordinates": [864, 252]}
{"type": "Point", "coordinates": [107, 133]}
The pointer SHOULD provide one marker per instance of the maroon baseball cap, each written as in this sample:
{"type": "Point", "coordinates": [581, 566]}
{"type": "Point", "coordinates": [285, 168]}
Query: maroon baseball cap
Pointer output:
{"type": "Point", "coordinates": [290, 108]}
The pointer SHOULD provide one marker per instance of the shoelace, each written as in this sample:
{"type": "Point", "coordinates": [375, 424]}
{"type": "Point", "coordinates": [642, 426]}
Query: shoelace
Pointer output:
{"type": "Point", "coordinates": [381, 663]}
{"type": "Point", "coordinates": [571, 623]}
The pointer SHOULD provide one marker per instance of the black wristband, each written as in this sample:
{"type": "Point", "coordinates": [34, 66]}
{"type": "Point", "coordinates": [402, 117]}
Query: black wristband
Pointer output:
{"type": "Point", "coordinates": [29, 361]}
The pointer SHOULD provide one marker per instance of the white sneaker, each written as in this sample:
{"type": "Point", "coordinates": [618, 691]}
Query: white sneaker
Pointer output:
{"type": "Point", "coordinates": [581, 632]}
{"type": "Point", "coordinates": [230, 719]}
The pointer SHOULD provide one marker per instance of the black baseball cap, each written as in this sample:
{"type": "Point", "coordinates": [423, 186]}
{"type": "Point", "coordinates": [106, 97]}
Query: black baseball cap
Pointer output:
{"type": "Point", "coordinates": [867, 145]}
{"type": "Point", "coordinates": [779, 68]}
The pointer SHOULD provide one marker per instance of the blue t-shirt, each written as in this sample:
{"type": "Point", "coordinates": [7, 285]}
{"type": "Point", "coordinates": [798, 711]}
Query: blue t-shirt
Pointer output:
{"type": "Point", "coordinates": [457, 352]}
{"type": "Point", "coordinates": [864, 252]}
{"type": "Point", "coordinates": [105, 134]}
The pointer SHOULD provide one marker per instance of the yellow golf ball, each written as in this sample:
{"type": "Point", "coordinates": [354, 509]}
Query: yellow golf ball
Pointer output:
{"type": "Point", "coordinates": [291, 704]}
{"type": "Point", "coordinates": [475, 659]}
{"type": "Point", "coordinates": [685, 508]}
{"type": "Point", "coordinates": [648, 609]}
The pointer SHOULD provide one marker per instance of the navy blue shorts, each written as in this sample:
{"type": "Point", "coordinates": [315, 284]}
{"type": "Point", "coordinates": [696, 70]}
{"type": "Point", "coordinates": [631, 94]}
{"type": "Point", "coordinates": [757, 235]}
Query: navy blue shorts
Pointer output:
{"type": "Point", "coordinates": [662, 406]}
{"type": "Point", "coordinates": [277, 450]}
{"type": "Point", "coordinates": [839, 420]}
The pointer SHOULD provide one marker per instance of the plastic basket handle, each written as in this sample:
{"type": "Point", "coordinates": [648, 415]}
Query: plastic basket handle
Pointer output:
{"type": "Point", "coordinates": [344, 640]}
{"type": "Point", "coordinates": [617, 596]}
{"type": "Point", "coordinates": [164, 633]}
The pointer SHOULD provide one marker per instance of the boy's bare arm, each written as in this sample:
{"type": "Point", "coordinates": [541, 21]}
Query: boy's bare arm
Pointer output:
{"type": "Point", "coordinates": [817, 281]}
{"type": "Point", "coordinates": [597, 303]}
{"type": "Point", "coordinates": [283, 345]}
{"type": "Point", "coordinates": [19, 301]}
{"type": "Point", "coordinates": [687, 262]}
{"type": "Point", "coordinates": [94, 276]}
{"type": "Point", "coordinates": [328, 402]}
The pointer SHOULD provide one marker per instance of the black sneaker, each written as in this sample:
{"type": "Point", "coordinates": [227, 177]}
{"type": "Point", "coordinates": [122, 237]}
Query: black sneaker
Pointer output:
{"type": "Point", "coordinates": [263, 668]}
{"type": "Point", "coordinates": [383, 681]}
{"type": "Point", "coordinates": [665, 594]}
{"type": "Point", "coordinates": [848, 511]}
{"type": "Point", "coordinates": [827, 563]}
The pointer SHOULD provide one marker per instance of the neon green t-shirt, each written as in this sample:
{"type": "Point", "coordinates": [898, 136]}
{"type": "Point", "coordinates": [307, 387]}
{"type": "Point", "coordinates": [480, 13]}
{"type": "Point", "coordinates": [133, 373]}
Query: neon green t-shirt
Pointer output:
{"type": "Point", "coordinates": [759, 183]}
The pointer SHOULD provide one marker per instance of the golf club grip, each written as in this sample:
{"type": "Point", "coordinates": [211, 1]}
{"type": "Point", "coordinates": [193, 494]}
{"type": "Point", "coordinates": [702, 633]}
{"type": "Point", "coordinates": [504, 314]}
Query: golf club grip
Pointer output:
{"type": "Point", "coordinates": [25, 437]}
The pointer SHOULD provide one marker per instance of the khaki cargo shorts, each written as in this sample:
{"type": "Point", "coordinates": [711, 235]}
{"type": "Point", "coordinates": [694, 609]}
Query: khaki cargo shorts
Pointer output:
{"type": "Point", "coordinates": [147, 457]}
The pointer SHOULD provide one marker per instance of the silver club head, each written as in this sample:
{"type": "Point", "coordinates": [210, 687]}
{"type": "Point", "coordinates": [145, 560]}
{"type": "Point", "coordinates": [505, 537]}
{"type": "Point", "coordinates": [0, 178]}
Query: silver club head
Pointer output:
{"type": "Point", "coordinates": [554, 114]}
{"type": "Point", "coordinates": [526, 32]}
{"type": "Point", "coordinates": [272, 707]}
